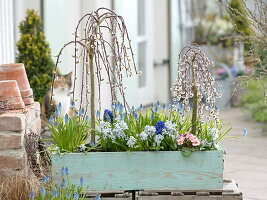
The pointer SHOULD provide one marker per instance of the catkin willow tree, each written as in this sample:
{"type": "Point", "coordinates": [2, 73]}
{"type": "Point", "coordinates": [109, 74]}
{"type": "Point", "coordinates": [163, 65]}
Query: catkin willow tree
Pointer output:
{"type": "Point", "coordinates": [195, 87]}
{"type": "Point", "coordinates": [102, 50]}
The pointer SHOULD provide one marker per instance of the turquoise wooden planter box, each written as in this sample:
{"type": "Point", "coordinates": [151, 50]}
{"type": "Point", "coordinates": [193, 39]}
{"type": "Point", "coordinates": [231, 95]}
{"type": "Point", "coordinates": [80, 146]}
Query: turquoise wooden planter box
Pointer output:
{"type": "Point", "coordinates": [105, 171]}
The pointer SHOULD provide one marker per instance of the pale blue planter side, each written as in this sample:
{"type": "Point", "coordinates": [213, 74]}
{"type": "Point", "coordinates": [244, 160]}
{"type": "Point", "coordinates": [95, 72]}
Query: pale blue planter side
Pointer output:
{"type": "Point", "coordinates": [143, 170]}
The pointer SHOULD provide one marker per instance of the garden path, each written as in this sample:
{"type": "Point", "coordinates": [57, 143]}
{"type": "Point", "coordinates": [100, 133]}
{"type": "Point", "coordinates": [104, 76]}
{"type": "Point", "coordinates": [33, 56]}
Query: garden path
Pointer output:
{"type": "Point", "coordinates": [246, 158]}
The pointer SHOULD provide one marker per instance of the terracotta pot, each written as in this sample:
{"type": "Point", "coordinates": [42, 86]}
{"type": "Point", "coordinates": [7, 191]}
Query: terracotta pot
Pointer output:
{"type": "Point", "coordinates": [10, 97]}
{"type": "Point", "coordinates": [16, 71]}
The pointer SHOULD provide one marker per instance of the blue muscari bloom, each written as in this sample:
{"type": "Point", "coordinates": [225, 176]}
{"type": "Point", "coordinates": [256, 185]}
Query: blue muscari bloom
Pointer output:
{"type": "Point", "coordinates": [97, 114]}
{"type": "Point", "coordinates": [170, 106]}
{"type": "Point", "coordinates": [244, 132]}
{"type": "Point", "coordinates": [135, 115]}
{"type": "Point", "coordinates": [180, 107]}
{"type": "Point", "coordinates": [132, 109]}
{"type": "Point", "coordinates": [158, 104]}
{"type": "Point", "coordinates": [57, 112]}
{"type": "Point", "coordinates": [59, 107]}
{"type": "Point", "coordinates": [42, 190]}
{"type": "Point", "coordinates": [76, 113]}
{"type": "Point", "coordinates": [152, 116]}
{"type": "Point", "coordinates": [82, 111]}
{"type": "Point", "coordinates": [216, 108]}
{"type": "Point", "coordinates": [191, 106]}
{"type": "Point", "coordinates": [31, 195]}
{"type": "Point", "coordinates": [141, 107]}
{"type": "Point", "coordinates": [160, 125]}
{"type": "Point", "coordinates": [56, 123]}
{"type": "Point", "coordinates": [66, 118]}
{"type": "Point", "coordinates": [163, 106]}
{"type": "Point", "coordinates": [76, 196]}
{"type": "Point", "coordinates": [72, 104]}
{"type": "Point", "coordinates": [55, 193]}
{"type": "Point", "coordinates": [81, 181]}
{"type": "Point", "coordinates": [63, 184]}
{"type": "Point", "coordinates": [51, 119]}
{"type": "Point", "coordinates": [151, 105]}
{"type": "Point", "coordinates": [91, 144]}
{"type": "Point", "coordinates": [62, 171]}
{"type": "Point", "coordinates": [87, 118]}
{"type": "Point", "coordinates": [156, 109]}
{"type": "Point", "coordinates": [67, 195]}
{"type": "Point", "coordinates": [108, 116]}
{"type": "Point", "coordinates": [97, 197]}
{"type": "Point", "coordinates": [120, 107]}
{"type": "Point", "coordinates": [66, 171]}
{"type": "Point", "coordinates": [45, 179]}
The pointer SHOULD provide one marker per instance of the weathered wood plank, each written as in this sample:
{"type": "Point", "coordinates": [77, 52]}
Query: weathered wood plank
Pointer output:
{"type": "Point", "coordinates": [143, 170]}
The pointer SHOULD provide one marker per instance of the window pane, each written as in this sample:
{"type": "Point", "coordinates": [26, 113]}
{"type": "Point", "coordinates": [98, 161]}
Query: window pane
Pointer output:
{"type": "Point", "coordinates": [141, 17]}
{"type": "Point", "coordinates": [142, 63]}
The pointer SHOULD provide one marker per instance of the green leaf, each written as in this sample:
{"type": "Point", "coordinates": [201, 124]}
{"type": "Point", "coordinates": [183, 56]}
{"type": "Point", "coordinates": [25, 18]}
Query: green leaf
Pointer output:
{"type": "Point", "coordinates": [186, 151]}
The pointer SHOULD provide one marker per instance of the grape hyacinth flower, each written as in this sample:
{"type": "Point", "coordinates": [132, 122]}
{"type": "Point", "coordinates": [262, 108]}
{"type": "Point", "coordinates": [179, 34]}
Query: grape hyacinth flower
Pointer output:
{"type": "Point", "coordinates": [51, 119]}
{"type": "Point", "coordinates": [57, 112]}
{"type": "Point", "coordinates": [108, 116]}
{"type": "Point", "coordinates": [76, 196]}
{"type": "Point", "coordinates": [97, 197]}
{"type": "Point", "coordinates": [81, 181]}
{"type": "Point", "coordinates": [66, 118]}
{"type": "Point", "coordinates": [63, 184]}
{"type": "Point", "coordinates": [82, 147]}
{"type": "Point", "coordinates": [45, 179]}
{"type": "Point", "coordinates": [55, 193]}
{"type": "Point", "coordinates": [67, 195]}
{"type": "Point", "coordinates": [42, 190]}
{"type": "Point", "coordinates": [244, 132]}
{"type": "Point", "coordinates": [131, 142]}
{"type": "Point", "coordinates": [160, 125]}
{"type": "Point", "coordinates": [31, 195]}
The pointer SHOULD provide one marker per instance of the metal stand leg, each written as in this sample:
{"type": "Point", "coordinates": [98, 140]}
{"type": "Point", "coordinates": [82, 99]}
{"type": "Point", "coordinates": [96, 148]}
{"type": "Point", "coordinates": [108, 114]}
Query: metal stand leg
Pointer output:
{"type": "Point", "coordinates": [133, 194]}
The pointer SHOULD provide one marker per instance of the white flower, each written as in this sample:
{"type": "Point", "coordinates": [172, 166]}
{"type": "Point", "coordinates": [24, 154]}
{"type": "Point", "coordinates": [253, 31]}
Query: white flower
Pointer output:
{"type": "Point", "coordinates": [120, 126]}
{"type": "Point", "coordinates": [82, 147]}
{"type": "Point", "coordinates": [131, 141]}
{"type": "Point", "coordinates": [105, 129]}
{"type": "Point", "coordinates": [214, 133]}
{"type": "Point", "coordinates": [158, 139]}
{"type": "Point", "coordinates": [150, 130]}
{"type": "Point", "coordinates": [170, 128]}
{"type": "Point", "coordinates": [143, 136]}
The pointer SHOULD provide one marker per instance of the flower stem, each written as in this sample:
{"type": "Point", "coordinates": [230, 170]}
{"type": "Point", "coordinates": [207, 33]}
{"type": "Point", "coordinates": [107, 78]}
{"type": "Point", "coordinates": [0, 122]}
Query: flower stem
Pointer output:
{"type": "Point", "coordinates": [92, 96]}
{"type": "Point", "coordinates": [195, 99]}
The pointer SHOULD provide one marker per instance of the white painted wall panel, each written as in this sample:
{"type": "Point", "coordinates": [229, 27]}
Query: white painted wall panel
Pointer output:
{"type": "Point", "coordinates": [7, 46]}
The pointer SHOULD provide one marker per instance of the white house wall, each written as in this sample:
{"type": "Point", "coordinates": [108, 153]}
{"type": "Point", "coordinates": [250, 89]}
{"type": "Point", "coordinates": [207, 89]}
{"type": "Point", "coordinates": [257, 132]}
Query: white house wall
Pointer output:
{"type": "Point", "coordinates": [161, 50]}
{"type": "Point", "coordinates": [7, 50]}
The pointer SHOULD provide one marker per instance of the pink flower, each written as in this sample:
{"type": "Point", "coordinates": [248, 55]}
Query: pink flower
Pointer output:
{"type": "Point", "coordinates": [187, 135]}
{"type": "Point", "coordinates": [181, 140]}
{"type": "Point", "coordinates": [195, 142]}
{"type": "Point", "coordinates": [192, 137]}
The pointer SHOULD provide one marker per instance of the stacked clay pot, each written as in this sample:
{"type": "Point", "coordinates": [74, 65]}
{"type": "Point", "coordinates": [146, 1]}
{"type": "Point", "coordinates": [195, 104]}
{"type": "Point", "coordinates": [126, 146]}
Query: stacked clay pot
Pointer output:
{"type": "Point", "coordinates": [17, 73]}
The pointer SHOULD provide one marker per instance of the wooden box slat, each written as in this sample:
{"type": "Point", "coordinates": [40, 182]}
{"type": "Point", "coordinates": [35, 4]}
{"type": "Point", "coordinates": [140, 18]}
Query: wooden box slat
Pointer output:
{"type": "Point", "coordinates": [108, 171]}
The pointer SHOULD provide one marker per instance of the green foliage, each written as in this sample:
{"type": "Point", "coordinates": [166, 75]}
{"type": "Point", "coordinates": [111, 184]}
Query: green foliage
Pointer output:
{"type": "Point", "coordinates": [116, 135]}
{"type": "Point", "coordinates": [239, 17]}
{"type": "Point", "coordinates": [254, 102]}
{"type": "Point", "coordinates": [69, 133]}
{"type": "Point", "coordinates": [34, 52]}
{"type": "Point", "coordinates": [63, 191]}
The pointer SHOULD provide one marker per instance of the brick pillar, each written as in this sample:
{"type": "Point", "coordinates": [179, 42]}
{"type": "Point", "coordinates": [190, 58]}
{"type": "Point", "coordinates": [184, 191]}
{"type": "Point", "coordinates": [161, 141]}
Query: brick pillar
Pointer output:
{"type": "Point", "coordinates": [13, 127]}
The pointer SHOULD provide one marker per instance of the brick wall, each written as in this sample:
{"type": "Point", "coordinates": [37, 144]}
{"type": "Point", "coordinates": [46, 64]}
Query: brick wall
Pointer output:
{"type": "Point", "coordinates": [13, 127]}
